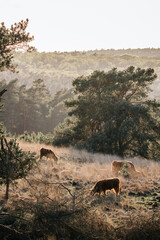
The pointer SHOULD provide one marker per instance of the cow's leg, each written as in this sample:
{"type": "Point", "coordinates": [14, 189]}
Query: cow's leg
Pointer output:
{"type": "Point", "coordinates": [117, 194]}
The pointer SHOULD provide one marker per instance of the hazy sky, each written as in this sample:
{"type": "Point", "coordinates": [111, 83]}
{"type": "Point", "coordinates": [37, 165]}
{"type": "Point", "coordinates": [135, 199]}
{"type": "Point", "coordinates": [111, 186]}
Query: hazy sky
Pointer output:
{"type": "Point", "coordinates": [68, 25]}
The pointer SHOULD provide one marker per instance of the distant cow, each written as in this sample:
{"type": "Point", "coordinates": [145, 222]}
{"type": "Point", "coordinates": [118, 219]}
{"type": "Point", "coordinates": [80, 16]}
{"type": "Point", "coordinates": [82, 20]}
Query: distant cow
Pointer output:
{"type": "Point", "coordinates": [104, 185]}
{"type": "Point", "coordinates": [118, 165]}
{"type": "Point", "coordinates": [48, 153]}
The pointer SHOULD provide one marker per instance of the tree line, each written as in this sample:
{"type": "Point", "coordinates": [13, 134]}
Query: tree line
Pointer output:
{"type": "Point", "coordinates": [59, 69]}
{"type": "Point", "coordinates": [32, 109]}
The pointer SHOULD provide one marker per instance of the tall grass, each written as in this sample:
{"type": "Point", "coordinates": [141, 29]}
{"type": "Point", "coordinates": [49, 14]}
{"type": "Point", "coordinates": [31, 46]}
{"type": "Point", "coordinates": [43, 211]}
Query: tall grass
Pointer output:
{"type": "Point", "coordinates": [55, 199]}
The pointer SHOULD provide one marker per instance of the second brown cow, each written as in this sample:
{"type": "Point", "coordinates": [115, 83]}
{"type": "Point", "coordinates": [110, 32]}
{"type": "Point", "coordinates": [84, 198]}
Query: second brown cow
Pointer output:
{"type": "Point", "coordinates": [118, 165]}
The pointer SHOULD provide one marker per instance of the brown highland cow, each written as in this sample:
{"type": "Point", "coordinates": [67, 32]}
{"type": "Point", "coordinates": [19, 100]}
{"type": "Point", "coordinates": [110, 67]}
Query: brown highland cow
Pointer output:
{"type": "Point", "coordinates": [109, 184]}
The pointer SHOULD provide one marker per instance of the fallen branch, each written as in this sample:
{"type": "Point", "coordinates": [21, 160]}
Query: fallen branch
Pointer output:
{"type": "Point", "coordinates": [14, 233]}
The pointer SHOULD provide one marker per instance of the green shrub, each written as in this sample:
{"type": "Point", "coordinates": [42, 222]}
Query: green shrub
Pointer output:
{"type": "Point", "coordinates": [125, 170]}
{"type": "Point", "coordinates": [36, 138]}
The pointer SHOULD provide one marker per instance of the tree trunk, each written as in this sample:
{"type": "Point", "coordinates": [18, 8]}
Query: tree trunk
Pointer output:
{"type": "Point", "coordinates": [7, 189]}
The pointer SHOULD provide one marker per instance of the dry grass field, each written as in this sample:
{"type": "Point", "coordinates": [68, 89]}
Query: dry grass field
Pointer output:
{"type": "Point", "coordinates": [66, 186]}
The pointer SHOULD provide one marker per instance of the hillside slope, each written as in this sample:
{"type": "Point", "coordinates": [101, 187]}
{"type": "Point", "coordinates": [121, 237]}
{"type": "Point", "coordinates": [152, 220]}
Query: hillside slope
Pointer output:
{"type": "Point", "coordinates": [59, 69]}
{"type": "Point", "coordinates": [55, 200]}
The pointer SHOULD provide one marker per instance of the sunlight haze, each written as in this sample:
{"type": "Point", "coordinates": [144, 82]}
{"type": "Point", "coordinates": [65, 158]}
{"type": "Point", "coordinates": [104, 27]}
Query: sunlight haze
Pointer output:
{"type": "Point", "coordinates": [61, 25]}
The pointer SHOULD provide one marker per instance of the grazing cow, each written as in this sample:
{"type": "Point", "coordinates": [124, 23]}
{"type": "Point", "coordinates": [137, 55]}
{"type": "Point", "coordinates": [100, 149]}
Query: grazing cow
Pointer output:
{"type": "Point", "coordinates": [48, 154]}
{"type": "Point", "coordinates": [118, 165]}
{"type": "Point", "coordinates": [109, 184]}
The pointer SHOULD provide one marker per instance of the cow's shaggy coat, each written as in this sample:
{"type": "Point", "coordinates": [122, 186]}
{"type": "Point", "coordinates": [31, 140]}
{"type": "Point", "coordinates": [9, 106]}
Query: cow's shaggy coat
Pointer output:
{"type": "Point", "coordinates": [108, 184]}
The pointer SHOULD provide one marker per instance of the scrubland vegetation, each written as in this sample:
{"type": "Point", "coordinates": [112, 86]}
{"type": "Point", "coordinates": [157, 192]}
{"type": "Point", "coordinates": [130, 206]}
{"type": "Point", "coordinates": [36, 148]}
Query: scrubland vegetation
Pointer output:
{"type": "Point", "coordinates": [54, 200]}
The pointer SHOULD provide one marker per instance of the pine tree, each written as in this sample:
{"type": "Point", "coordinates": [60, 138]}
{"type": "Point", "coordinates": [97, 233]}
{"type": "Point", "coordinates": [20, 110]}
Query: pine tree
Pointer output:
{"type": "Point", "coordinates": [10, 110]}
{"type": "Point", "coordinates": [14, 163]}
{"type": "Point", "coordinates": [111, 113]}
{"type": "Point", "coordinates": [11, 39]}
{"type": "Point", "coordinates": [38, 98]}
